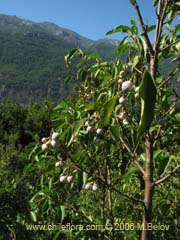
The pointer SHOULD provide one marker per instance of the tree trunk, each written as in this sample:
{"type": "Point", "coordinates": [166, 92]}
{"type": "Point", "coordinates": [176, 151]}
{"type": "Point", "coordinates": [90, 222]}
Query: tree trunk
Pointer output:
{"type": "Point", "coordinates": [149, 187]}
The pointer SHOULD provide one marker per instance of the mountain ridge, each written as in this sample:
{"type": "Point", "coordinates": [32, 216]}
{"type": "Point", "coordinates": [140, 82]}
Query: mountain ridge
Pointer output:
{"type": "Point", "coordinates": [32, 54]}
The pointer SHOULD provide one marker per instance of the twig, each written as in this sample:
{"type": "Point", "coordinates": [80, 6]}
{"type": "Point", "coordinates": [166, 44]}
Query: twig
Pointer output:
{"type": "Point", "coordinates": [170, 45]}
{"type": "Point", "coordinates": [160, 19]}
{"type": "Point", "coordinates": [144, 31]}
{"type": "Point", "coordinates": [171, 75]}
{"type": "Point", "coordinates": [157, 136]}
{"type": "Point", "coordinates": [100, 179]}
{"type": "Point", "coordinates": [176, 169]}
{"type": "Point", "coordinates": [132, 155]}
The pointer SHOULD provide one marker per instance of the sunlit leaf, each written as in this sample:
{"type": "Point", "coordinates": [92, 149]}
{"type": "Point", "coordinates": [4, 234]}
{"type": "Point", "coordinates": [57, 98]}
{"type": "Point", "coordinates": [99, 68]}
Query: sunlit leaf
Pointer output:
{"type": "Point", "coordinates": [62, 213]}
{"type": "Point", "coordinates": [33, 216]}
{"type": "Point", "coordinates": [121, 28]}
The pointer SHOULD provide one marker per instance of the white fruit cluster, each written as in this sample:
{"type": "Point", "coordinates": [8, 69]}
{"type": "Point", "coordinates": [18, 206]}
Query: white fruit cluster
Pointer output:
{"type": "Point", "coordinates": [125, 86]}
{"type": "Point", "coordinates": [66, 179]}
{"type": "Point", "coordinates": [59, 164]}
{"type": "Point", "coordinates": [50, 141]}
{"type": "Point", "coordinates": [91, 186]}
{"type": "Point", "coordinates": [122, 117]}
{"type": "Point", "coordinates": [89, 128]}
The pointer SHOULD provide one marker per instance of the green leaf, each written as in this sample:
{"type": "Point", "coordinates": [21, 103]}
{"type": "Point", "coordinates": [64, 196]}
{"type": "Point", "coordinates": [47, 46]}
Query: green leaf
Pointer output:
{"type": "Point", "coordinates": [72, 53]}
{"type": "Point", "coordinates": [77, 126]}
{"type": "Point", "coordinates": [134, 26]}
{"type": "Point", "coordinates": [93, 56]}
{"type": "Point", "coordinates": [151, 28]}
{"type": "Point", "coordinates": [107, 110]}
{"type": "Point", "coordinates": [133, 2]}
{"type": "Point", "coordinates": [67, 79]}
{"type": "Point", "coordinates": [80, 176]}
{"type": "Point", "coordinates": [85, 177]}
{"type": "Point", "coordinates": [163, 165]}
{"type": "Point", "coordinates": [33, 216]}
{"type": "Point", "coordinates": [123, 46]}
{"type": "Point", "coordinates": [121, 28]}
{"type": "Point", "coordinates": [115, 132]}
{"type": "Point", "coordinates": [155, 2]}
{"type": "Point", "coordinates": [147, 93]}
{"type": "Point", "coordinates": [62, 213]}
{"type": "Point", "coordinates": [37, 195]}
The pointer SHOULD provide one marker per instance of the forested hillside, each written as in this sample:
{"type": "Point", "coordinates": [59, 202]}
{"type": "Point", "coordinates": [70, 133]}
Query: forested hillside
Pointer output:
{"type": "Point", "coordinates": [32, 66]}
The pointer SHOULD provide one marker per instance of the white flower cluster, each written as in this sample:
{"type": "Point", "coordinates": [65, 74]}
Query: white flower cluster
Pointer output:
{"type": "Point", "coordinates": [50, 141]}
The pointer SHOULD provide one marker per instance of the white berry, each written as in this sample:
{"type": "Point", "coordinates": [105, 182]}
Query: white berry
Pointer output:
{"type": "Point", "coordinates": [43, 140]}
{"type": "Point", "coordinates": [62, 178]}
{"type": "Point", "coordinates": [86, 124]}
{"type": "Point", "coordinates": [125, 122]}
{"type": "Point", "coordinates": [58, 164]}
{"type": "Point", "coordinates": [121, 99]}
{"type": "Point", "coordinates": [53, 143]}
{"type": "Point", "coordinates": [126, 85]}
{"type": "Point", "coordinates": [69, 178]}
{"type": "Point", "coordinates": [44, 146]}
{"type": "Point", "coordinates": [137, 89]}
{"type": "Point", "coordinates": [89, 129]}
{"type": "Point", "coordinates": [55, 135]}
{"type": "Point", "coordinates": [88, 186]}
{"type": "Point", "coordinates": [99, 131]}
{"type": "Point", "coordinates": [136, 95]}
{"type": "Point", "coordinates": [122, 74]}
{"type": "Point", "coordinates": [94, 187]}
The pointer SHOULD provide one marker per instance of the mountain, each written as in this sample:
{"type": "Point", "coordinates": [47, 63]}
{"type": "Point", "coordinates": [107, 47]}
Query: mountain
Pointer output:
{"type": "Point", "coordinates": [32, 65]}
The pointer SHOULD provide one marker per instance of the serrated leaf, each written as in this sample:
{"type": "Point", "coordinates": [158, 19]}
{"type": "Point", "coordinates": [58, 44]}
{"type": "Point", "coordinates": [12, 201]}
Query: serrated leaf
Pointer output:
{"type": "Point", "coordinates": [147, 93]}
{"type": "Point", "coordinates": [107, 110]}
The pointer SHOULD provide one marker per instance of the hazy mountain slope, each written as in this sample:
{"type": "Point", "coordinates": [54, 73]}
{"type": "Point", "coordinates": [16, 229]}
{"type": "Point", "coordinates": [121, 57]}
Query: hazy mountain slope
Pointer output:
{"type": "Point", "coordinates": [32, 59]}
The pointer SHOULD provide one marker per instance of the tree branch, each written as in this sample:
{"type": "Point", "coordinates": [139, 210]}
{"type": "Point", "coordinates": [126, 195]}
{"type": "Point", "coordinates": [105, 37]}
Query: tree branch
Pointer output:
{"type": "Point", "coordinates": [168, 46]}
{"type": "Point", "coordinates": [144, 31]}
{"type": "Point", "coordinates": [176, 169]}
{"type": "Point", "coordinates": [160, 18]}
{"type": "Point", "coordinates": [100, 179]}
{"type": "Point", "coordinates": [132, 156]}
{"type": "Point", "coordinates": [171, 75]}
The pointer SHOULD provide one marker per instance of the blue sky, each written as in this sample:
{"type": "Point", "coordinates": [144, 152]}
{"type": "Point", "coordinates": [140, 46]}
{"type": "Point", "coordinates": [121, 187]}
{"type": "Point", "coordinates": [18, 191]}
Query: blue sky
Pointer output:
{"type": "Point", "coordinates": [89, 18]}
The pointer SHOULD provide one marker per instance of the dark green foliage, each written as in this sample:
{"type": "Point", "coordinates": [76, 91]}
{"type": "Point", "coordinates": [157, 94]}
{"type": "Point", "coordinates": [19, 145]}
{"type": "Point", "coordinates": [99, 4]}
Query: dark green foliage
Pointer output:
{"type": "Point", "coordinates": [19, 127]}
